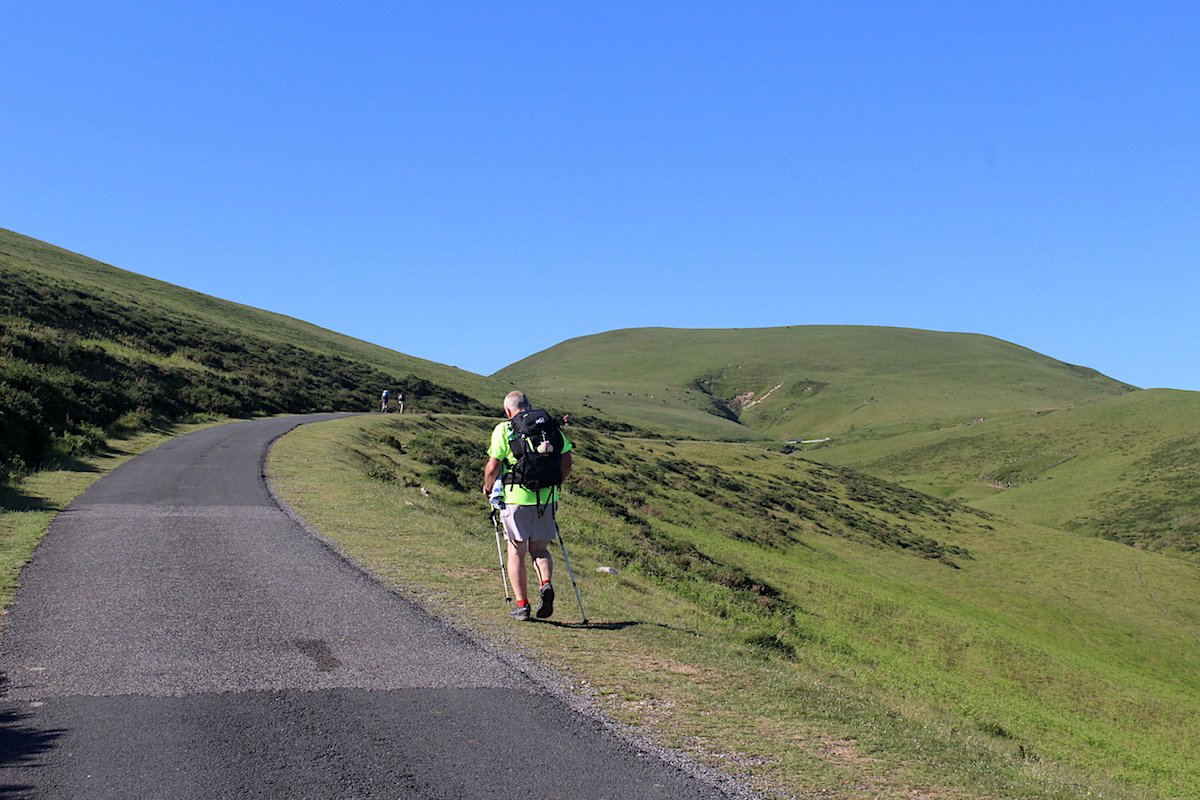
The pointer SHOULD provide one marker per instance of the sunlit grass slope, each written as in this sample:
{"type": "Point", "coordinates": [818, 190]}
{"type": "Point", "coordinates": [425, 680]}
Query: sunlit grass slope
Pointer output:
{"type": "Point", "coordinates": [1127, 468]}
{"type": "Point", "coordinates": [828, 633]}
{"type": "Point", "coordinates": [957, 415]}
{"type": "Point", "coordinates": [804, 381]}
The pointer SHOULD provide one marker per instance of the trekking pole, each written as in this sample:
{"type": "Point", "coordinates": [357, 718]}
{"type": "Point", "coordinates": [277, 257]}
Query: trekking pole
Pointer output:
{"type": "Point", "coordinates": [500, 552]}
{"type": "Point", "coordinates": [571, 572]}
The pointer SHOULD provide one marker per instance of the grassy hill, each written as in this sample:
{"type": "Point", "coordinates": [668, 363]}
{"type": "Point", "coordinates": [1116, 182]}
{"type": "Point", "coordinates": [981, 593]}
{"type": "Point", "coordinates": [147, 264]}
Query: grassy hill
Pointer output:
{"type": "Point", "coordinates": [1124, 469]}
{"type": "Point", "coordinates": [804, 381]}
{"type": "Point", "coordinates": [959, 416]}
{"type": "Point", "coordinates": [87, 349]}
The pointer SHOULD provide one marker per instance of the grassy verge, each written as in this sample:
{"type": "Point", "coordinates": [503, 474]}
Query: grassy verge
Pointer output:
{"type": "Point", "coordinates": [1046, 666]}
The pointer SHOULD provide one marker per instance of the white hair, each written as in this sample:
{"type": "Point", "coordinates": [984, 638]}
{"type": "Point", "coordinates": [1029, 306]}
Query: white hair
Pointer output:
{"type": "Point", "coordinates": [516, 401]}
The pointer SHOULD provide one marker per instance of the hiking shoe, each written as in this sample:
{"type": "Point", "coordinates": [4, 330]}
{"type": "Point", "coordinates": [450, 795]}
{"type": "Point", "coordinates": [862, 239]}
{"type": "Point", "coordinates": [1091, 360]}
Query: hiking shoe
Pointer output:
{"type": "Point", "coordinates": [520, 613]}
{"type": "Point", "coordinates": [545, 601]}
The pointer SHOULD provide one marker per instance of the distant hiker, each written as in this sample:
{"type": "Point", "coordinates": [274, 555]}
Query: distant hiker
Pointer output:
{"type": "Point", "coordinates": [532, 457]}
{"type": "Point", "coordinates": [383, 402]}
{"type": "Point", "coordinates": [400, 401]}
{"type": "Point", "coordinates": [566, 419]}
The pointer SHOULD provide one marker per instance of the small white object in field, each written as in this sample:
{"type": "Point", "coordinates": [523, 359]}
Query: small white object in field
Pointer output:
{"type": "Point", "coordinates": [608, 570]}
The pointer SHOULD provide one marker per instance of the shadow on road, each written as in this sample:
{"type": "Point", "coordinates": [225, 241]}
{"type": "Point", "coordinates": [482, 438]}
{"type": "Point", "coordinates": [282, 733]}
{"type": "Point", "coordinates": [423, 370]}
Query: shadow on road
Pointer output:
{"type": "Point", "coordinates": [20, 746]}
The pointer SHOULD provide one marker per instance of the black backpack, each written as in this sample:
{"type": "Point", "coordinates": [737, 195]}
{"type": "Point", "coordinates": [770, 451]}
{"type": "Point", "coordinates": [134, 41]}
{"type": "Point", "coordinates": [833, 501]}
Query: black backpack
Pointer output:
{"type": "Point", "coordinates": [537, 444]}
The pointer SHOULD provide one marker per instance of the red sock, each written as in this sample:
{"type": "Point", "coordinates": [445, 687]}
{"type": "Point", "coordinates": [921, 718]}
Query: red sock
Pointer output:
{"type": "Point", "coordinates": [544, 583]}
{"type": "Point", "coordinates": [522, 603]}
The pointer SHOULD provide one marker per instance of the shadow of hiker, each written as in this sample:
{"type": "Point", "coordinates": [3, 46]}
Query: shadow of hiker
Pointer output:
{"type": "Point", "coordinates": [600, 626]}
{"type": "Point", "coordinates": [20, 746]}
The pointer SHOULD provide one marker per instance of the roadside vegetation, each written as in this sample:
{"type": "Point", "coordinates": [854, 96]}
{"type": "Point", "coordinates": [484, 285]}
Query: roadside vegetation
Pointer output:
{"type": "Point", "coordinates": [835, 634]}
{"type": "Point", "coordinates": [88, 352]}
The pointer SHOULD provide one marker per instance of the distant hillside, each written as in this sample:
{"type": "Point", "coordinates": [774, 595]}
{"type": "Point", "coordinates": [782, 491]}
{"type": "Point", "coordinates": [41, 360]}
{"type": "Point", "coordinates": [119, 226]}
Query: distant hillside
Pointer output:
{"type": "Point", "coordinates": [1126, 469]}
{"type": "Point", "coordinates": [805, 381]}
{"type": "Point", "coordinates": [87, 348]}
{"type": "Point", "coordinates": [959, 416]}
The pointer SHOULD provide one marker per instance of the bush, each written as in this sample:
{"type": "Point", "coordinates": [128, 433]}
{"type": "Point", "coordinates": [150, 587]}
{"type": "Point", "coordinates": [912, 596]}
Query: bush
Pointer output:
{"type": "Point", "coordinates": [136, 420]}
{"type": "Point", "coordinates": [385, 473]}
{"type": "Point", "coordinates": [445, 476]}
{"type": "Point", "coordinates": [456, 461]}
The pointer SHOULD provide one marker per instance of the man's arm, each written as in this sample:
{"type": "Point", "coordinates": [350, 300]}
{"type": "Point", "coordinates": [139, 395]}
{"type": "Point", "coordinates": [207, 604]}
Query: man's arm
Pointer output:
{"type": "Point", "coordinates": [490, 473]}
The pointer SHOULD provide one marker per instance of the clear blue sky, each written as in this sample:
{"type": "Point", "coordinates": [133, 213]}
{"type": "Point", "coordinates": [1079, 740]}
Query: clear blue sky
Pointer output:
{"type": "Point", "coordinates": [471, 182]}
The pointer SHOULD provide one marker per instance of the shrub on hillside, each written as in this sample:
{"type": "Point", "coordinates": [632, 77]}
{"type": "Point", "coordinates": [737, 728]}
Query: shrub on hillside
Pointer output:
{"type": "Point", "coordinates": [73, 363]}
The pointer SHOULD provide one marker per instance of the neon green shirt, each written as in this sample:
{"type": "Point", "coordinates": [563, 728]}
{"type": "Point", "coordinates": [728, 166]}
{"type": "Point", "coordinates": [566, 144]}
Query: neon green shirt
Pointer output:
{"type": "Point", "coordinates": [514, 493]}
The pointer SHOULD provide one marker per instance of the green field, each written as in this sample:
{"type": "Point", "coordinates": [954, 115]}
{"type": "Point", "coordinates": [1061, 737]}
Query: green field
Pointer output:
{"type": "Point", "coordinates": [1124, 468]}
{"type": "Point", "coordinates": [959, 416]}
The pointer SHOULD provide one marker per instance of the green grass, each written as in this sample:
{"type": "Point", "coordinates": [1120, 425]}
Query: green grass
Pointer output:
{"type": "Point", "coordinates": [831, 650]}
{"type": "Point", "coordinates": [802, 381]}
{"type": "Point", "coordinates": [1124, 468]}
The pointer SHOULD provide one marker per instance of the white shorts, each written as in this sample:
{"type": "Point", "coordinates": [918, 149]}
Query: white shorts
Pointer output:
{"type": "Point", "coordinates": [522, 523]}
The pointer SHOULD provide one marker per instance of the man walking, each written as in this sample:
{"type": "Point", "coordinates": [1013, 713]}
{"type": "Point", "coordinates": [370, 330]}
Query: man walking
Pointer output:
{"type": "Point", "coordinates": [528, 450]}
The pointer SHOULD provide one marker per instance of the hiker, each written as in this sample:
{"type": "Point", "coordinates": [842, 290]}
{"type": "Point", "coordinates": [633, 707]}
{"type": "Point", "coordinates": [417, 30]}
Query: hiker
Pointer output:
{"type": "Point", "coordinates": [528, 515]}
{"type": "Point", "coordinates": [383, 402]}
{"type": "Point", "coordinates": [400, 400]}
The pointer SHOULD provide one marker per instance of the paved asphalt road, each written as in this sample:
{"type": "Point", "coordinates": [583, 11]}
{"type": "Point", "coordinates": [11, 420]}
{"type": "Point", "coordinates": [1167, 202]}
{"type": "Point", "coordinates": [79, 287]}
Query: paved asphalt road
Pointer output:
{"type": "Point", "coordinates": [179, 636]}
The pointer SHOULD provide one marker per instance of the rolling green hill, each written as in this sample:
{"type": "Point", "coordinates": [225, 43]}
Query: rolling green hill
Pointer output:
{"type": "Point", "coordinates": [805, 381]}
{"type": "Point", "coordinates": [86, 349]}
{"type": "Point", "coordinates": [1125, 469]}
{"type": "Point", "coordinates": [959, 416]}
